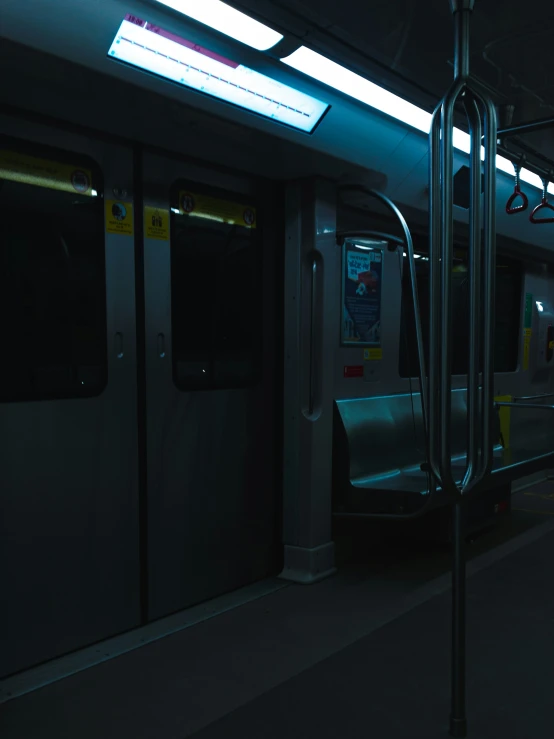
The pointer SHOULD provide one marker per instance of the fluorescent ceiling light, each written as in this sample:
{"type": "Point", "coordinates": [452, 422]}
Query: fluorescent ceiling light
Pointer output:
{"type": "Point", "coordinates": [151, 48]}
{"type": "Point", "coordinates": [330, 73]}
{"type": "Point", "coordinates": [227, 20]}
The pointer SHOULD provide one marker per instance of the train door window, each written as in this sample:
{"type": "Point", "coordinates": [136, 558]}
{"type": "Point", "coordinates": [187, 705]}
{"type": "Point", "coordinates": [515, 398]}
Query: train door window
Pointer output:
{"type": "Point", "coordinates": [216, 289]}
{"type": "Point", "coordinates": [507, 315]}
{"type": "Point", "coordinates": [52, 274]}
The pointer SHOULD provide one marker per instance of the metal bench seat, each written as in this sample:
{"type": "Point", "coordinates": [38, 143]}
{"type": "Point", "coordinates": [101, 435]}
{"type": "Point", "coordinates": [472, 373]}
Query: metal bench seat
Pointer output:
{"type": "Point", "coordinates": [379, 454]}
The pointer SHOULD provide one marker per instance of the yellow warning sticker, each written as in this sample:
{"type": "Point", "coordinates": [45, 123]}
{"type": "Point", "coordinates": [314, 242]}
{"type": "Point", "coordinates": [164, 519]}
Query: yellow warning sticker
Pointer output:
{"type": "Point", "coordinates": [156, 223]}
{"type": "Point", "coordinates": [45, 173]}
{"type": "Point", "coordinates": [119, 217]}
{"type": "Point", "coordinates": [526, 348]}
{"type": "Point", "coordinates": [371, 355]}
{"type": "Point", "coordinates": [217, 209]}
{"type": "Point", "coordinates": [505, 419]}
{"type": "Point", "coordinates": [527, 331]}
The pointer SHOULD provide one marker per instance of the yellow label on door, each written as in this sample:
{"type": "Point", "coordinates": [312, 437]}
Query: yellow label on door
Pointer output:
{"type": "Point", "coordinates": [156, 223]}
{"type": "Point", "coordinates": [119, 217]}
{"type": "Point", "coordinates": [371, 355]}
{"type": "Point", "coordinates": [45, 173]}
{"type": "Point", "coordinates": [526, 348]}
{"type": "Point", "coordinates": [216, 209]}
{"type": "Point", "coordinates": [505, 419]}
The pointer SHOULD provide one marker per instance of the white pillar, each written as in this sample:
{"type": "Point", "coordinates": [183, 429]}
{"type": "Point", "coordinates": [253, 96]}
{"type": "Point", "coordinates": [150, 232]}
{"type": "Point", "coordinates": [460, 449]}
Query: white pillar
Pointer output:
{"type": "Point", "coordinates": [312, 325]}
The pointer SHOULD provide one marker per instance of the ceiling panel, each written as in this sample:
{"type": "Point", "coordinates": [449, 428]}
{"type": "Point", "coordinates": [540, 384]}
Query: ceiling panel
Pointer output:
{"type": "Point", "coordinates": [352, 138]}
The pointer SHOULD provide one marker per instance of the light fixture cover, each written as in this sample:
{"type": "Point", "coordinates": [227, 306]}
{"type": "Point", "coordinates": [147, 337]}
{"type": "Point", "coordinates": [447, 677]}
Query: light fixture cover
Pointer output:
{"type": "Point", "coordinates": [227, 20]}
{"type": "Point", "coordinates": [153, 49]}
{"type": "Point", "coordinates": [354, 85]}
{"type": "Point", "coordinates": [330, 73]}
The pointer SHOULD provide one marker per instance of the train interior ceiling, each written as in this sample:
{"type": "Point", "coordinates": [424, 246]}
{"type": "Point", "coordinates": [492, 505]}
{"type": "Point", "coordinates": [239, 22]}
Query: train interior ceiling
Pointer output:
{"type": "Point", "coordinates": [215, 488]}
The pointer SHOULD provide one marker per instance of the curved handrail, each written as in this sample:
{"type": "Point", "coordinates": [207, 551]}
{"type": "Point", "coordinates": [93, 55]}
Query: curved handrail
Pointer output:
{"type": "Point", "coordinates": [409, 246]}
{"type": "Point", "coordinates": [411, 258]}
{"type": "Point", "coordinates": [313, 312]}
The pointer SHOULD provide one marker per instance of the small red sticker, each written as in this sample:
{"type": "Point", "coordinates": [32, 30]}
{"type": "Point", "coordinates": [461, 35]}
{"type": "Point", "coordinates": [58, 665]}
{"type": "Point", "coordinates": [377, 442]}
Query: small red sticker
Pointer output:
{"type": "Point", "coordinates": [356, 370]}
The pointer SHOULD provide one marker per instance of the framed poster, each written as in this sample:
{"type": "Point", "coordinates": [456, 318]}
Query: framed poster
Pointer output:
{"type": "Point", "coordinates": [362, 277]}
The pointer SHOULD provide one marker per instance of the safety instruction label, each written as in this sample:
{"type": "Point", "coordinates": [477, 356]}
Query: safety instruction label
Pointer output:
{"type": "Point", "coordinates": [119, 218]}
{"type": "Point", "coordinates": [527, 330]}
{"type": "Point", "coordinates": [156, 223]}
{"type": "Point", "coordinates": [528, 321]}
{"type": "Point", "coordinates": [45, 173]}
{"type": "Point", "coordinates": [526, 347]}
{"type": "Point", "coordinates": [372, 355]}
{"type": "Point", "coordinates": [217, 209]}
{"type": "Point", "coordinates": [505, 419]}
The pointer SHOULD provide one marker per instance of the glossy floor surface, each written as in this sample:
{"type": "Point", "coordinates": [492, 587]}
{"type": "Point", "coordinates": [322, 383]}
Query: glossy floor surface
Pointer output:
{"type": "Point", "coordinates": [365, 653]}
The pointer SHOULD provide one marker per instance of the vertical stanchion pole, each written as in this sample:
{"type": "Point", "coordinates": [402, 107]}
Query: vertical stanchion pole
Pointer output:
{"type": "Point", "coordinates": [458, 720]}
{"type": "Point", "coordinates": [481, 319]}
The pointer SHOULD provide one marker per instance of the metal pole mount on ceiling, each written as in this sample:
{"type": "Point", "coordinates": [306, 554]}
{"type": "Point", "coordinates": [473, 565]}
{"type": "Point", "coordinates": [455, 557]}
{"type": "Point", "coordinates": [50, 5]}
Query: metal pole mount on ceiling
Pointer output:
{"type": "Point", "coordinates": [481, 116]}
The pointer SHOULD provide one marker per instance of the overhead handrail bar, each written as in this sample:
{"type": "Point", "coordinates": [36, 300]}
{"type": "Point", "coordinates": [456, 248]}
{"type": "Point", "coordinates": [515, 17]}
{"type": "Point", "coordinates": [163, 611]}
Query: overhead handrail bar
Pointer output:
{"type": "Point", "coordinates": [481, 115]}
{"type": "Point", "coordinates": [534, 397]}
{"type": "Point", "coordinates": [517, 193]}
{"type": "Point", "coordinates": [522, 128]}
{"type": "Point", "coordinates": [535, 406]}
{"type": "Point", "coordinates": [369, 234]}
{"type": "Point", "coordinates": [544, 204]}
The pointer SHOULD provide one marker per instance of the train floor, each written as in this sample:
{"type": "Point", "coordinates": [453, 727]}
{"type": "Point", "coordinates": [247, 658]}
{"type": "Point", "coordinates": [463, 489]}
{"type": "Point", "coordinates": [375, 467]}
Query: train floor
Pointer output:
{"type": "Point", "coordinates": [362, 654]}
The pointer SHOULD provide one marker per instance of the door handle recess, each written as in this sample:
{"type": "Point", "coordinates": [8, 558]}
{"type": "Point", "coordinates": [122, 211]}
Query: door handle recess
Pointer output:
{"type": "Point", "coordinates": [118, 345]}
{"type": "Point", "coordinates": [161, 346]}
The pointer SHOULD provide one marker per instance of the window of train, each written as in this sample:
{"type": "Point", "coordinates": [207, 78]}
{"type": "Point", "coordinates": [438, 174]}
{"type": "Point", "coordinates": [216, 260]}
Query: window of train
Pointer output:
{"type": "Point", "coordinates": [52, 274]}
{"type": "Point", "coordinates": [216, 289]}
{"type": "Point", "coordinates": [507, 315]}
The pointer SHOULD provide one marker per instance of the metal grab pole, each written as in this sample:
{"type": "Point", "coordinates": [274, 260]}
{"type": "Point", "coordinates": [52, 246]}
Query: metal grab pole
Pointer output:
{"type": "Point", "coordinates": [481, 115]}
{"type": "Point", "coordinates": [458, 720]}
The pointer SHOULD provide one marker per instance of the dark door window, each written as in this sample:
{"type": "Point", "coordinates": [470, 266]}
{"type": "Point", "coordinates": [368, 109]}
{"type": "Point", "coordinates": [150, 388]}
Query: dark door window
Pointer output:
{"type": "Point", "coordinates": [216, 289]}
{"type": "Point", "coordinates": [52, 275]}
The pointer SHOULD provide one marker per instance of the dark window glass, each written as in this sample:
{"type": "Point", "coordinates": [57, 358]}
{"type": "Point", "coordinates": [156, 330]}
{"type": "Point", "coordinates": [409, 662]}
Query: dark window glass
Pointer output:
{"type": "Point", "coordinates": [52, 275]}
{"type": "Point", "coordinates": [507, 316]}
{"type": "Point", "coordinates": [216, 289]}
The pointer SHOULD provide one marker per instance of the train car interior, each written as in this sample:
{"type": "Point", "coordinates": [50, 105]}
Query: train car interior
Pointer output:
{"type": "Point", "coordinates": [277, 379]}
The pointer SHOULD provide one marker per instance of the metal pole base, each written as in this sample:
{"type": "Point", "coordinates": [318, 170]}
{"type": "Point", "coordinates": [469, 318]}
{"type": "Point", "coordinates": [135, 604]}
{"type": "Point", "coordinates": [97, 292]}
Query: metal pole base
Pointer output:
{"type": "Point", "coordinates": [458, 727]}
